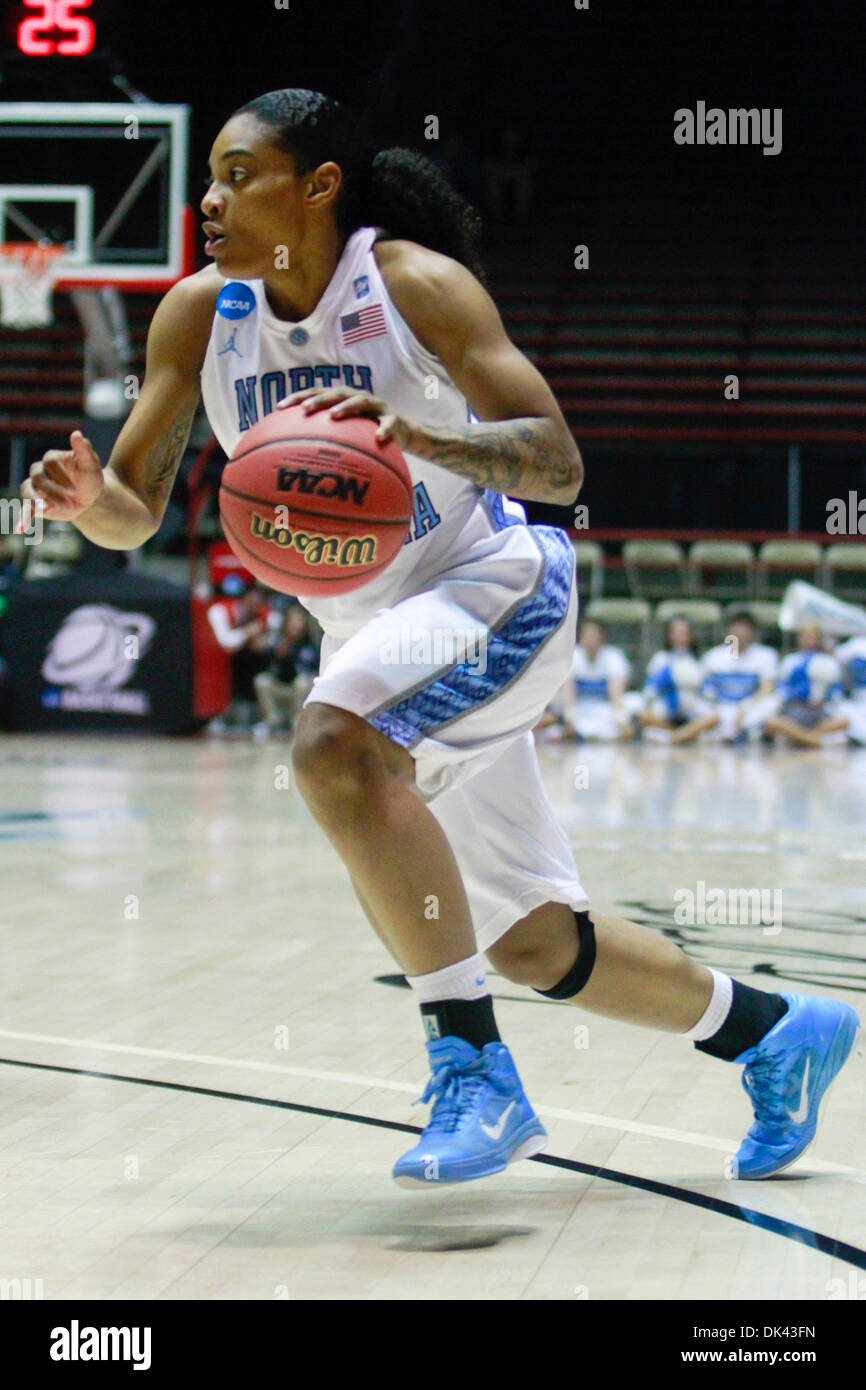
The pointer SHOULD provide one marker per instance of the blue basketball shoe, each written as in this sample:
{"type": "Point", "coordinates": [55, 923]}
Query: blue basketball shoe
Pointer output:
{"type": "Point", "coordinates": [481, 1120]}
{"type": "Point", "coordinates": [785, 1078]}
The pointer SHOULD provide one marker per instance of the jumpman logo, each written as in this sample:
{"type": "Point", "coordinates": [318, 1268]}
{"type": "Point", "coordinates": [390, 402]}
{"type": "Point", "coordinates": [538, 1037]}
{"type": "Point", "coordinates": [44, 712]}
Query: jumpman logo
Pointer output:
{"type": "Point", "coordinates": [230, 346]}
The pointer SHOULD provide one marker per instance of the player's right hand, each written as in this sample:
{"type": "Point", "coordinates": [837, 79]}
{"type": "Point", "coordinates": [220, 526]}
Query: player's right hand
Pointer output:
{"type": "Point", "coordinates": [65, 482]}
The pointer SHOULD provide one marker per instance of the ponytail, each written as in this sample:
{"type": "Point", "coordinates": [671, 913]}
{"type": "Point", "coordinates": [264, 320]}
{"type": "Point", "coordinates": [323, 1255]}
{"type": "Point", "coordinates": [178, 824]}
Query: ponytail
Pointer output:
{"type": "Point", "coordinates": [411, 198]}
{"type": "Point", "coordinates": [397, 190]}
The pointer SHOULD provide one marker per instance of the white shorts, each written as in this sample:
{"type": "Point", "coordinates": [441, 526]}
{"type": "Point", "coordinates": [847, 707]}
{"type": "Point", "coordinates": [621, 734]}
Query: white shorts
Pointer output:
{"type": "Point", "coordinates": [459, 675]}
{"type": "Point", "coordinates": [512, 853]}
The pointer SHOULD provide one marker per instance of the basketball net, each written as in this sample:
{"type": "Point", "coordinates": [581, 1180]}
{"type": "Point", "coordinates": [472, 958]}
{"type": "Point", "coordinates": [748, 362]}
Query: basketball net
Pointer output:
{"type": "Point", "coordinates": [28, 273]}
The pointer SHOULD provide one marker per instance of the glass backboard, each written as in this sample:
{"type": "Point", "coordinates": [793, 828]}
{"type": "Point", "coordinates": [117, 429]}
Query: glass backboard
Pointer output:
{"type": "Point", "coordinates": [105, 179]}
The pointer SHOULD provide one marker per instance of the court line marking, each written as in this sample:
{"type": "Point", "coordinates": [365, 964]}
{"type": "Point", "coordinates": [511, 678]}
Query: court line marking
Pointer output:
{"type": "Point", "coordinates": [803, 1235]}
{"type": "Point", "coordinates": [583, 1117]}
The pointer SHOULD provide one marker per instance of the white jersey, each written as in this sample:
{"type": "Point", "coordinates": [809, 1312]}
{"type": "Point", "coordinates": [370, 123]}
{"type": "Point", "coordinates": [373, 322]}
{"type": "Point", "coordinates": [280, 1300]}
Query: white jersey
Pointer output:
{"type": "Point", "coordinates": [356, 337]}
{"type": "Point", "coordinates": [729, 678]}
{"type": "Point", "coordinates": [590, 676]}
{"type": "Point", "coordinates": [852, 655]}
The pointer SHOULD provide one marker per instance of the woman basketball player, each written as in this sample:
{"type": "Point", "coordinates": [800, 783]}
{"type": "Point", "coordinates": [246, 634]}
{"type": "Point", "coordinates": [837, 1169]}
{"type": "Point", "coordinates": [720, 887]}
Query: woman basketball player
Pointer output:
{"type": "Point", "coordinates": [423, 775]}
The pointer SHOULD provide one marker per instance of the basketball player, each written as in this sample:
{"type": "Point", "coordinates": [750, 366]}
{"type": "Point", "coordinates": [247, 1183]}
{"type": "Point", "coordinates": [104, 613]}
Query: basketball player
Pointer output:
{"type": "Point", "coordinates": [424, 777]}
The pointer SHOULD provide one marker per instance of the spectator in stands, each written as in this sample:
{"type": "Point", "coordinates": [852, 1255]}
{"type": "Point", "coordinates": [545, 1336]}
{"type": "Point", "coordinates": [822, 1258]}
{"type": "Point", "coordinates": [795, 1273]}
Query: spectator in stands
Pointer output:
{"type": "Point", "coordinates": [591, 704]}
{"type": "Point", "coordinates": [807, 707]}
{"type": "Point", "coordinates": [283, 687]}
{"type": "Point", "coordinates": [851, 655]}
{"type": "Point", "coordinates": [240, 622]}
{"type": "Point", "coordinates": [739, 675]}
{"type": "Point", "coordinates": [671, 709]}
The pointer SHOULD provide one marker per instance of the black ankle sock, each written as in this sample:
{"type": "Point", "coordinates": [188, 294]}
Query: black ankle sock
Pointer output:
{"type": "Point", "coordinates": [753, 1013]}
{"type": "Point", "coordinates": [469, 1019]}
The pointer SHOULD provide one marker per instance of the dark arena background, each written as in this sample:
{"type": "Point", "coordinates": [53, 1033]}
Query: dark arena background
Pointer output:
{"type": "Point", "coordinates": [206, 1058]}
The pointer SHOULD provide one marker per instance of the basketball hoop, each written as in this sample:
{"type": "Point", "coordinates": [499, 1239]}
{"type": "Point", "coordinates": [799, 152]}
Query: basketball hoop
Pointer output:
{"type": "Point", "coordinates": [28, 273]}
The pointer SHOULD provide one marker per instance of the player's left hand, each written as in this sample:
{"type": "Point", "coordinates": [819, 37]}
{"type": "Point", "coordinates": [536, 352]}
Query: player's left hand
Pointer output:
{"type": "Point", "coordinates": [343, 401]}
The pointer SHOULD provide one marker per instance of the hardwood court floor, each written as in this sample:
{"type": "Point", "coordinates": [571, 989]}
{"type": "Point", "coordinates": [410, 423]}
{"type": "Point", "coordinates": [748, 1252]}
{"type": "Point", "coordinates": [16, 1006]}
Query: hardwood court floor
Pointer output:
{"type": "Point", "coordinates": [203, 1083]}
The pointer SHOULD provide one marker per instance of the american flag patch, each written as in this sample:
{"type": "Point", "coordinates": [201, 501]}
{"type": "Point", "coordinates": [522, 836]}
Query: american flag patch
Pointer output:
{"type": "Point", "coordinates": [368, 322]}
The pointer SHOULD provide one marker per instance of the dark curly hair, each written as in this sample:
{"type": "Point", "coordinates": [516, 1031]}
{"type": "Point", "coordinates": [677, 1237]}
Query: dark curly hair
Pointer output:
{"type": "Point", "coordinates": [398, 190]}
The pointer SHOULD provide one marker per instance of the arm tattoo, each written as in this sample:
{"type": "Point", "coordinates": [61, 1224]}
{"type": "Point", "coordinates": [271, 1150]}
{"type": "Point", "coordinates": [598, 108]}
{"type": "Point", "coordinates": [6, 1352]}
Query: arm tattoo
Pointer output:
{"type": "Point", "coordinates": [164, 459]}
{"type": "Point", "coordinates": [521, 457]}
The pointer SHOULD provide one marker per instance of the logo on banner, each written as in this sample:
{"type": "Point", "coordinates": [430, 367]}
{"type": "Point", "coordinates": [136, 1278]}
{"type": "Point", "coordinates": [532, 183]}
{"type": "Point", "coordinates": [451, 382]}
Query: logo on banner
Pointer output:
{"type": "Point", "coordinates": [95, 652]}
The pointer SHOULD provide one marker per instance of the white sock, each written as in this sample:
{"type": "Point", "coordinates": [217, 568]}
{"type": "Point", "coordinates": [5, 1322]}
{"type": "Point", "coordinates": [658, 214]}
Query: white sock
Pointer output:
{"type": "Point", "coordinates": [466, 979]}
{"type": "Point", "coordinates": [716, 1011]}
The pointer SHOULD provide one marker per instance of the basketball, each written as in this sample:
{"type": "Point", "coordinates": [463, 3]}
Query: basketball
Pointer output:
{"type": "Point", "coordinates": [313, 505]}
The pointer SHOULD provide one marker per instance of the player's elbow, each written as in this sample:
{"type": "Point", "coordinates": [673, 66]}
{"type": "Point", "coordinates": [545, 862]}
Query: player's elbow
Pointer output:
{"type": "Point", "coordinates": [577, 477]}
{"type": "Point", "coordinates": [570, 481]}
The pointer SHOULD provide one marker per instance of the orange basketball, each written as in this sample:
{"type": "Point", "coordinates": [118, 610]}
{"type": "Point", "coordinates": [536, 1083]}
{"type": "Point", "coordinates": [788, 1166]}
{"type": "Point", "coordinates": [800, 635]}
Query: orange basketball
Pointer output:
{"type": "Point", "coordinates": [314, 506]}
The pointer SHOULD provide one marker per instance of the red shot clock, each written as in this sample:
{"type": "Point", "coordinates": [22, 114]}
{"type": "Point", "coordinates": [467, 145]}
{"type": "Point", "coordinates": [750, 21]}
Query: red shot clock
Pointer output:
{"type": "Point", "coordinates": [57, 28]}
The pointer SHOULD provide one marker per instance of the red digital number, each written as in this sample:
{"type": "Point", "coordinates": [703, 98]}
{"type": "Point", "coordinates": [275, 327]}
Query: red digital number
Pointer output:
{"type": "Point", "coordinates": [56, 14]}
{"type": "Point", "coordinates": [83, 29]}
{"type": "Point", "coordinates": [29, 29]}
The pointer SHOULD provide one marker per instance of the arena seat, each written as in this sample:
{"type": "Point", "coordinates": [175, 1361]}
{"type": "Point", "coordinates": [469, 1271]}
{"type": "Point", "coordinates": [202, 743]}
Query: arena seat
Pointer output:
{"type": "Point", "coordinates": [845, 571]}
{"type": "Point", "coordinates": [722, 569]}
{"type": "Point", "coordinates": [655, 569]}
{"type": "Point", "coordinates": [590, 556]}
{"type": "Point", "coordinates": [637, 350]}
{"type": "Point", "coordinates": [704, 614]}
{"type": "Point", "coordinates": [628, 625]}
{"type": "Point", "coordinates": [781, 561]}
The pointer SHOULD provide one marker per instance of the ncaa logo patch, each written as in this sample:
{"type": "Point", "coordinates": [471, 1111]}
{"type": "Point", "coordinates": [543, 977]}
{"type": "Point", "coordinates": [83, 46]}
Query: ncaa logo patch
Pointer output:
{"type": "Point", "coordinates": [235, 301]}
{"type": "Point", "coordinates": [361, 286]}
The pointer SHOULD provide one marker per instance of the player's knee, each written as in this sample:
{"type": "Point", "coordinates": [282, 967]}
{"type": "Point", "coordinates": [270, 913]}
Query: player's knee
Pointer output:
{"type": "Point", "coordinates": [522, 965]}
{"type": "Point", "coordinates": [558, 968]}
{"type": "Point", "coordinates": [332, 757]}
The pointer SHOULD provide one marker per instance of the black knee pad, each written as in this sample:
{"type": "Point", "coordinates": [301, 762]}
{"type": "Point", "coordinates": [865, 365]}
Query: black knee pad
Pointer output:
{"type": "Point", "coordinates": [572, 983]}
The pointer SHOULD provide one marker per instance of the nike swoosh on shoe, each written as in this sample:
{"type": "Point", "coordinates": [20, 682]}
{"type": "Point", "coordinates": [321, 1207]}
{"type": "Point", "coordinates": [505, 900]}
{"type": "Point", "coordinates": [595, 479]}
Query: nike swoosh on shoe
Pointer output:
{"type": "Point", "coordinates": [802, 1110]}
{"type": "Point", "coordinates": [495, 1131]}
